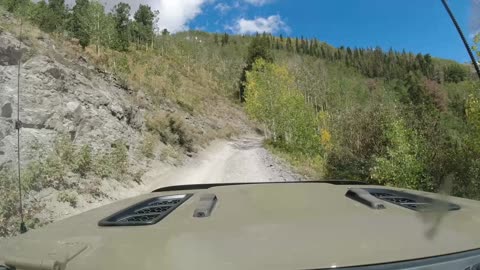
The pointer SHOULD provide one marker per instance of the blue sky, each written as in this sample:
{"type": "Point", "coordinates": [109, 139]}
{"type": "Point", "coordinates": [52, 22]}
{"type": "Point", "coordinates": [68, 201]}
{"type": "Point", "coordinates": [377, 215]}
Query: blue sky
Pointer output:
{"type": "Point", "coordinates": [414, 25]}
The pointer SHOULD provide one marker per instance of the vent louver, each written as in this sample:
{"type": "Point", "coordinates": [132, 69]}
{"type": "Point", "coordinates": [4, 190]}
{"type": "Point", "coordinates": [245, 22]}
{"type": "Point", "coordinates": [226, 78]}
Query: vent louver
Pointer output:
{"type": "Point", "coordinates": [147, 212]}
{"type": "Point", "coordinates": [411, 201]}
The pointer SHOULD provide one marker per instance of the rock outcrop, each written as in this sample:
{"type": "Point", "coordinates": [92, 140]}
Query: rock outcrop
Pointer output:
{"type": "Point", "coordinates": [60, 98]}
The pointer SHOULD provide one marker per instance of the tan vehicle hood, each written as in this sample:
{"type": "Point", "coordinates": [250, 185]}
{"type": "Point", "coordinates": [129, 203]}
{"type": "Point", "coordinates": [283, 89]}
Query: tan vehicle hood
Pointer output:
{"type": "Point", "coordinates": [268, 226]}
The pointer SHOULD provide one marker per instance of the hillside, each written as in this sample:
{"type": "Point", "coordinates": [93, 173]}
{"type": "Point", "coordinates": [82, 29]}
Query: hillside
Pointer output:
{"type": "Point", "coordinates": [100, 107]}
{"type": "Point", "coordinates": [90, 132]}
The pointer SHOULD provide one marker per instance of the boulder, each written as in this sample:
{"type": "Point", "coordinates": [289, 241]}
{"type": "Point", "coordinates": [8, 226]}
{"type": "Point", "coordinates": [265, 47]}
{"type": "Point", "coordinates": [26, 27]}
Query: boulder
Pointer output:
{"type": "Point", "coordinates": [7, 110]}
{"type": "Point", "coordinates": [10, 52]}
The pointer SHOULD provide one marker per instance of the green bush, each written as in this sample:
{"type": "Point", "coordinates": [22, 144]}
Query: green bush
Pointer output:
{"type": "Point", "coordinates": [402, 163]}
{"type": "Point", "coordinates": [456, 73]}
{"type": "Point", "coordinates": [83, 162]}
{"type": "Point", "coordinates": [103, 165]}
{"type": "Point", "coordinates": [9, 204]}
{"type": "Point", "coordinates": [272, 99]}
{"type": "Point", "coordinates": [33, 176]}
{"type": "Point", "coordinates": [178, 127]}
{"type": "Point", "coordinates": [65, 150]}
{"type": "Point", "coordinates": [119, 156]}
{"type": "Point", "coordinates": [172, 129]}
{"type": "Point", "coordinates": [68, 197]}
{"type": "Point", "coordinates": [113, 163]}
{"type": "Point", "coordinates": [54, 170]}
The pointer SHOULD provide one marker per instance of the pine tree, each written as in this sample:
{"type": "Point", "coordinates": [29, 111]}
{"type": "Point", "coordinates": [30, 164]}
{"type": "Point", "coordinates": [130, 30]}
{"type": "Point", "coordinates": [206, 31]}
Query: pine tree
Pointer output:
{"type": "Point", "coordinates": [288, 45]}
{"type": "Point", "coordinates": [77, 22]}
{"type": "Point", "coordinates": [258, 49]}
{"type": "Point", "coordinates": [59, 13]}
{"type": "Point", "coordinates": [121, 16]}
{"type": "Point", "coordinates": [41, 15]}
{"type": "Point", "coordinates": [143, 27]}
{"type": "Point", "coordinates": [15, 5]}
{"type": "Point", "coordinates": [225, 39]}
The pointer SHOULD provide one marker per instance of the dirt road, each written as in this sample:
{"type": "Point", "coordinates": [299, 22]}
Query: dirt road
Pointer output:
{"type": "Point", "coordinates": [241, 160]}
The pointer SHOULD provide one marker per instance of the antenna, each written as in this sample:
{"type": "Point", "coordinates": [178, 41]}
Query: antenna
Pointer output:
{"type": "Point", "coordinates": [18, 126]}
{"type": "Point", "coordinates": [465, 42]}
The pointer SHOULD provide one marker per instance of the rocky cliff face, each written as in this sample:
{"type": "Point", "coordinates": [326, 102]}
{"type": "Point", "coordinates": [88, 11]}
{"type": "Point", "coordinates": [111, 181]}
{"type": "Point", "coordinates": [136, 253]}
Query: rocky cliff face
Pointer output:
{"type": "Point", "coordinates": [61, 98]}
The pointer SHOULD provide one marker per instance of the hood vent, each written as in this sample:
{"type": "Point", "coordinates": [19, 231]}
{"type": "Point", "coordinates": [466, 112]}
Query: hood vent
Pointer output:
{"type": "Point", "coordinates": [147, 212]}
{"type": "Point", "coordinates": [411, 201]}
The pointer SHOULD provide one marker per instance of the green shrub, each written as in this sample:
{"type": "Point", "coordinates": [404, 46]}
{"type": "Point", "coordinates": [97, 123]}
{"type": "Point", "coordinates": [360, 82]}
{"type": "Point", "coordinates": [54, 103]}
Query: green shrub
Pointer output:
{"type": "Point", "coordinates": [119, 156]}
{"type": "Point", "coordinates": [121, 65]}
{"type": "Point", "coordinates": [33, 176]}
{"type": "Point", "coordinates": [172, 129]}
{"type": "Point", "coordinates": [9, 204]}
{"type": "Point", "coordinates": [83, 162]}
{"type": "Point", "coordinates": [68, 197]}
{"type": "Point", "coordinates": [65, 150]}
{"type": "Point", "coordinates": [55, 171]}
{"type": "Point", "coordinates": [178, 126]}
{"type": "Point", "coordinates": [455, 73]}
{"type": "Point", "coordinates": [402, 164]}
{"type": "Point", "coordinates": [158, 123]}
{"type": "Point", "coordinates": [113, 163]}
{"type": "Point", "coordinates": [103, 165]}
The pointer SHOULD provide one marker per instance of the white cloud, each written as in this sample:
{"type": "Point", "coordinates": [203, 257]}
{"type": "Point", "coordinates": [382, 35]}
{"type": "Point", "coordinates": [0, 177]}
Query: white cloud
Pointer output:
{"type": "Point", "coordinates": [474, 18]}
{"type": "Point", "coordinates": [271, 24]}
{"type": "Point", "coordinates": [174, 14]}
{"type": "Point", "coordinates": [258, 2]}
{"type": "Point", "coordinates": [223, 8]}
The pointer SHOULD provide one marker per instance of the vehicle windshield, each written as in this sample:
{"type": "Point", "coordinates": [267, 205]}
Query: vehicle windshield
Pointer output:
{"type": "Point", "coordinates": [106, 100]}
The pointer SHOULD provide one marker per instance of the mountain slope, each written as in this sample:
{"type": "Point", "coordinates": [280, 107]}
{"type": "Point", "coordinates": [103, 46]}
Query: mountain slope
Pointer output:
{"type": "Point", "coordinates": [86, 130]}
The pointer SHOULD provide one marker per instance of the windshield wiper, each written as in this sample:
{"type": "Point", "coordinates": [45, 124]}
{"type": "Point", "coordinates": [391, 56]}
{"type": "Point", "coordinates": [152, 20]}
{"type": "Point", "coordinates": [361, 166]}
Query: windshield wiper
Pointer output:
{"type": "Point", "coordinates": [462, 36]}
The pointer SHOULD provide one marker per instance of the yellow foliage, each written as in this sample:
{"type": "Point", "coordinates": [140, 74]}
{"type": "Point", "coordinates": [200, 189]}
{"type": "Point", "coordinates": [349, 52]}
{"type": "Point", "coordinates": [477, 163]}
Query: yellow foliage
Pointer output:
{"type": "Point", "coordinates": [325, 139]}
{"type": "Point", "coordinates": [472, 111]}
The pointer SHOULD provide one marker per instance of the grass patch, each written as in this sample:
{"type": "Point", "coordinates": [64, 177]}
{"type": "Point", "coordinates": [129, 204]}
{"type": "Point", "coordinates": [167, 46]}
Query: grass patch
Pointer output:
{"type": "Point", "coordinates": [312, 167]}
